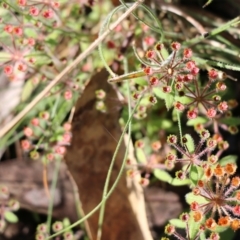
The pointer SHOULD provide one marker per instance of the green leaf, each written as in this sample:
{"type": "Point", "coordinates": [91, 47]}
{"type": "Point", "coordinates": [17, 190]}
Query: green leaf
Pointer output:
{"type": "Point", "coordinates": [177, 223]}
{"type": "Point", "coordinates": [198, 120]}
{"type": "Point", "coordinates": [162, 175]}
{"type": "Point", "coordinates": [140, 155]}
{"type": "Point", "coordinates": [231, 121]}
{"type": "Point", "coordinates": [178, 182]}
{"type": "Point", "coordinates": [228, 234]}
{"type": "Point", "coordinates": [189, 143]}
{"type": "Point", "coordinates": [10, 217]}
{"type": "Point", "coordinates": [169, 101]}
{"type": "Point", "coordinates": [190, 197]}
{"type": "Point", "coordinates": [193, 174]}
{"type": "Point", "coordinates": [193, 227]}
{"type": "Point", "coordinates": [27, 90]}
{"type": "Point", "coordinates": [228, 159]}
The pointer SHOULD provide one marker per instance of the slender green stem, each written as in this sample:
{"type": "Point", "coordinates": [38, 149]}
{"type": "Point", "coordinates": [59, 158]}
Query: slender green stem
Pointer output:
{"type": "Point", "coordinates": [214, 32]}
{"type": "Point", "coordinates": [179, 125]}
{"type": "Point", "coordinates": [53, 188]}
{"type": "Point", "coordinates": [102, 209]}
{"type": "Point", "coordinates": [114, 184]}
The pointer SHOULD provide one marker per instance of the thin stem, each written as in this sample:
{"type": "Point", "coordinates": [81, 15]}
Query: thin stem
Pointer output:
{"type": "Point", "coordinates": [53, 188]}
{"type": "Point", "coordinates": [67, 70]}
{"type": "Point", "coordinates": [101, 214]}
{"type": "Point", "coordinates": [114, 184]}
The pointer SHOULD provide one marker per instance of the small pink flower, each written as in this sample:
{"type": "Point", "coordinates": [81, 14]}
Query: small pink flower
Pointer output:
{"type": "Point", "coordinates": [67, 126]}
{"type": "Point", "coordinates": [176, 46]}
{"type": "Point", "coordinates": [187, 53]}
{"type": "Point", "coordinates": [190, 65]}
{"type": "Point", "coordinates": [60, 150]}
{"type": "Point", "coordinates": [149, 40]}
{"type": "Point", "coordinates": [222, 106]}
{"type": "Point", "coordinates": [26, 145]}
{"type": "Point", "coordinates": [179, 106]}
{"type": "Point", "coordinates": [68, 95]}
{"type": "Point", "coordinates": [35, 121]}
{"type": "Point", "coordinates": [22, 67]}
{"type": "Point", "coordinates": [211, 112]}
{"type": "Point", "coordinates": [213, 74]}
{"type": "Point", "coordinates": [22, 3]}
{"type": "Point", "coordinates": [28, 132]}
{"type": "Point", "coordinates": [34, 11]}
{"type": "Point", "coordinates": [18, 31]}
{"type": "Point", "coordinates": [195, 71]}
{"type": "Point", "coordinates": [8, 70]}
{"type": "Point", "coordinates": [8, 28]}
{"type": "Point", "coordinates": [48, 14]}
{"type": "Point", "coordinates": [192, 114]}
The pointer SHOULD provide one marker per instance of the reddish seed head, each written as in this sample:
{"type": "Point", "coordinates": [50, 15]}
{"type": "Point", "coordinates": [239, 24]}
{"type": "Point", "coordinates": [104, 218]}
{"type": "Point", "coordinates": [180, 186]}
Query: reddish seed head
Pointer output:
{"type": "Point", "coordinates": [184, 217]}
{"type": "Point", "coordinates": [154, 81]}
{"type": "Point", "coordinates": [179, 86]}
{"type": "Point", "coordinates": [68, 94]}
{"type": "Point", "coordinates": [28, 132]}
{"type": "Point", "coordinates": [187, 53]}
{"type": "Point", "coordinates": [156, 145]}
{"type": "Point", "coordinates": [169, 229]}
{"type": "Point", "coordinates": [176, 46]}
{"type": "Point", "coordinates": [223, 145]}
{"type": "Point", "coordinates": [196, 191]}
{"type": "Point", "coordinates": [235, 224]}
{"type": "Point", "coordinates": [197, 216]}
{"type": "Point", "coordinates": [230, 168]}
{"type": "Point", "coordinates": [235, 182]}
{"type": "Point", "coordinates": [210, 224]}
{"type": "Point", "coordinates": [224, 221]}
{"type": "Point", "coordinates": [172, 139]}
{"type": "Point", "coordinates": [159, 46]}
{"type": "Point", "coordinates": [192, 114]}
{"type": "Point", "coordinates": [8, 70]}
{"type": "Point", "coordinates": [48, 14]}
{"type": "Point", "coordinates": [214, 236]}
{"type": "Point", "coordinates": [150, 54]}
{"type": "Point", "coordinates": [219, 171]}
{"type": "Point", "coordinates": [220, 86]}
{"type": "Point", "coordinates": [195, 71]}
{"type": "Point", "coordinates": [166, 89]}
{"type": "Point", "coordinates": [222, 106]}
{"type": "Point", "coordinates": [236, 210]}
{"type": "Point", "coordinates": [213, 74]}
{"type": "Point", "coordinates": [25, 144]}
{"type": "Point", "coordinates": [110, 45]}
{"type": "Point", "coordinates": [34, 11]}
{"type": "Point", "coordinates": [188, 78]}
{"type": "Point", "coordinates": [213, 159]}
{"type": "Point", "coordinates": [148, 71]}
{"type": "Point", "coordinates": [171, 157]}
{"type": "Point", "coordinates": [211, 113]}
{"type": "Point", "coordinates": [194, 206]}
{"type": "Point", "coordinates": [179, 106]}
{"type": "Point", "coordinates": [180, 175]}
{"type": "Point", "coordinates": [190, 65]}
{"type": "Point", "coordinates": [152, 100]}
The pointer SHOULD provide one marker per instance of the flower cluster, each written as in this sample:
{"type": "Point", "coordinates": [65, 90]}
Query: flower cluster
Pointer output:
{"type": "Point", "coordinates": [39, 132]}
{"type": "Point", "coordinates": [177, 76]}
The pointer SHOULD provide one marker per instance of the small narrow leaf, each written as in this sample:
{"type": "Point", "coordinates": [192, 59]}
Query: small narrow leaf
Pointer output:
{"type": "Point", "coordinates": [10, 217]}
{"type": "Point", "coordinates": [228, 159]}
{"type": "Point", "coordinates": [177, 223]}
{"type": "Point", "coordinates": [178, 182]}
{"type": "Point", "coordinates": [162, 175]}
{"type": "Point", "coordinates": [190, 197]}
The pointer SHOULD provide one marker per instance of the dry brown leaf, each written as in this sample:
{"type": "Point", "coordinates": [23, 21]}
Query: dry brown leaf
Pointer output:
{"type": "Point", "coordinates": [88, 159]}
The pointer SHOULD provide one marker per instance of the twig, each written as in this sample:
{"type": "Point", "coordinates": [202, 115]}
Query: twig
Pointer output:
{"type": "Point", "coordinates": [68, 69]}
